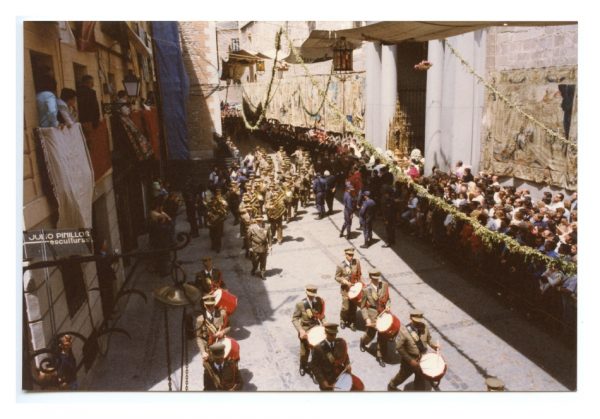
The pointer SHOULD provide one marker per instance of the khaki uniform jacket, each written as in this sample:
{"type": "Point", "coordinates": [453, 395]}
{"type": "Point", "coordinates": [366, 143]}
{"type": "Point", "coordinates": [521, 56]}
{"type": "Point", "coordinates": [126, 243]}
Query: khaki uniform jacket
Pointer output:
{"type": "Point", "coordinates": [305, 317]}
{"type": "Point", "coordinates": [406, 344]}
{"type": "Point", "coordinates": [327, 364]}
{"type": "Point", "coordinates": [350, 272]}
{"type": "Point", "coordinates": [206, 328]}
{"type": "Point", "coordinates": [375, 300]}
{"type": "Point", "coordinates": [259, 238]}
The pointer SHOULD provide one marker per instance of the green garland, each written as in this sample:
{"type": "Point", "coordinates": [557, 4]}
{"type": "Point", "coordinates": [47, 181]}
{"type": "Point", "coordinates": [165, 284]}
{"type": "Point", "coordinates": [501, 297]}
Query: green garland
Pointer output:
{"type": "Point", "coordinates": [313, 114]}
{"type": "Point", "coordinates": [268, 98]}
{"type": "Point", "coordinates": [488, 237]}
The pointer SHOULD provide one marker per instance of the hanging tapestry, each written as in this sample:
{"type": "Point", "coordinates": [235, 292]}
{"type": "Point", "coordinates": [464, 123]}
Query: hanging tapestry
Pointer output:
{"type": "Point", "coordinates": [515, 146]}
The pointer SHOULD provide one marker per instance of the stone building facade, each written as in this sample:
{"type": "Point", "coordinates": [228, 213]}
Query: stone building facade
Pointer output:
{"type": "Point", "coordinates": [47, 309]}
{"type": "Point", "coordinates": [464, 121]}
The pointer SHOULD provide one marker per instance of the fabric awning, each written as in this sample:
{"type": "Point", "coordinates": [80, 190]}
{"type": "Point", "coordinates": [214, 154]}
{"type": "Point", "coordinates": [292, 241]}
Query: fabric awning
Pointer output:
{"type": "Point", "coordinates": [138, 43]}
{"type": "Point", "coordinates": [319, 45]}
{"type": "Point", "coordinates": [243, 55]}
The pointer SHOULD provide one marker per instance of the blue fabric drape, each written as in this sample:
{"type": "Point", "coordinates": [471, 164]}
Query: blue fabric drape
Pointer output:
{"type": "Point", "coordinates": [174, 87]}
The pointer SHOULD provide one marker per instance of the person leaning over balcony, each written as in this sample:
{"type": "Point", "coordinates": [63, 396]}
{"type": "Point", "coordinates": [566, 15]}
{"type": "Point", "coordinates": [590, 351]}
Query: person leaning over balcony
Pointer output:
{"type": "Point", "coordinates": [46, 101]}
{"type": "Point", "coordinates": [67, 112]}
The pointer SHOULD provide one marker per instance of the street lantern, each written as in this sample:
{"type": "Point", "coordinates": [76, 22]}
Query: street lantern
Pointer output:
{"type": "Point", "coordinates": [342, 55]}
{"type": "Point", "coordinates": [260, 66]}
{"type": "Point", "coordinates": [131, 84]}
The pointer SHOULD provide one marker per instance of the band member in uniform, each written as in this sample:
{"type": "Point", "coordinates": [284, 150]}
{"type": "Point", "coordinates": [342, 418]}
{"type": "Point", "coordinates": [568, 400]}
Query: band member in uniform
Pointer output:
{"type": "Point", "coordinates": [259, 238]}
{"type": "Point", "coordinates": [217, 213]}
{"type": "Point", "coordinates": [376, 300]}
{"type": "Point", "coordinates": [221, 374]}
{"type": "Point", "coordinates": [330, 359]}
{"type": "Point", "coordinates": [319, 188]}
{"type": "Point", "coordinates": [367, 215]}
{"type": "Point", "coordinates": [244, 224]}
{"type": "Point", "coordinates": [210, 325]}
{"type": "Point", "coordinates": [330, 184]}
{"type": "Point", "coordinates": [309, 312]}
{"type": "Point", "coordinates": [349, 205]}
{"type": "Point", "coordinates": [348, 273]}
{"type": "Point", "coordinates": [411, 343]}
{"type": "Point", "coordinates": [275, 208]}
{"type": "Point", "coordinates": [209, 279]}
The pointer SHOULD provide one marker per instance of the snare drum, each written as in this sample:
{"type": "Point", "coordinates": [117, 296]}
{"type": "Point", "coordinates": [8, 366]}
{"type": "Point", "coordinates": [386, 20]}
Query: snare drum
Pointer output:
{"type": "Point", "coordinates": [348, 382]}
{"type": "Point", "coordinates": [387, 325]}
{"type": "Point", "coordinates": [355, 292]}
{"type": "Point", "coordinates": [343, 383]}
{"type": "Point", "coordinates": [232, 348]}
{"type": "Point", "coordinates": [433, 366]}
{"type": "Point", "coordinates": [225, 300]}
{"type": "Point", "coordinates": [316, 335]}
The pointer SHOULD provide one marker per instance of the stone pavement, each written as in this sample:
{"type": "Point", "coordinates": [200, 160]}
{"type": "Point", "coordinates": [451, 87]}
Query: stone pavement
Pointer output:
{"type": "Point", "coordinates": [479, 336]}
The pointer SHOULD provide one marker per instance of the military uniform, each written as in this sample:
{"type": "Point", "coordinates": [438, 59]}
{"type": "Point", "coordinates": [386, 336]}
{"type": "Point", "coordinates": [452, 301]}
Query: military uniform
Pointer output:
{"type": "Point", "coordinates": [376, 299]}
{"type": "Point", "coordinates": [259, 239]}
{"type": "Point", "coordinates": [411, 343]}
{"type": "Point", "coordinates": [349, 271]}
{"type": "Point", "coordinates": [244, 225]}
{"type": "Point", "coordinates": [217, 213]}
{"type": "Point", "coordinates": [330, 359]}
{"type": "Point", "coordinates": [276, 210]}
{"type": "Point", "coordinates": [221, 374]}
{"type": "Point", "coordinates": [209, 324]}
{"type": "Point", "coordinates": [367, 215]}
{"type": "Point", "coordinates": [307, 314]}
{"type": "Point", "coordinates": [209, 281]}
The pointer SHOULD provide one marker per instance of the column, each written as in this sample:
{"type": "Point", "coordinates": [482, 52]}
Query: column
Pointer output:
{"type": "Point", "coordinates": [389, 92]}
{"type": "Point", "coordinates": [372, 90]}
{"type": "Point", "coordinates": [433, 108]}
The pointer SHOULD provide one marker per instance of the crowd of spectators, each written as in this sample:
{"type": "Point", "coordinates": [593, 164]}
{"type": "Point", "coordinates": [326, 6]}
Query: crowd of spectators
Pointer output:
{"type": "Point", "coordinates": [548, 225]}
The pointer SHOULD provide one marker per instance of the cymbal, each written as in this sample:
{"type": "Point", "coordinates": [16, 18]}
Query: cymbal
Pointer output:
{"type": "Point", "coordinates": [177, 295]}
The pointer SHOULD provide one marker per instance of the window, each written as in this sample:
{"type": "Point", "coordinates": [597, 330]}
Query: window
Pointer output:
{"type": "Point", "coordinates": [41, 65]}
{"type": "Point", "coordinates": [235, 44]}
{"type": "Point", "coordinates": [72, 276]}
{"type": "Point", "coordinates": [109, 88]}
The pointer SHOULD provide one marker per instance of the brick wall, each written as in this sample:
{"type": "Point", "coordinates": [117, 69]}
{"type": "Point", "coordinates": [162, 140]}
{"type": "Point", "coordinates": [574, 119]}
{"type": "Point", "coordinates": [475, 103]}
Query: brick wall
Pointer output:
{"type": "Point", "coordinates": [199, 47]}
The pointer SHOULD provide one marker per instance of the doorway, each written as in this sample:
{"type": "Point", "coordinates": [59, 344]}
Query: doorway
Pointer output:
{"type": "Point", "coordinates": [412, 86]}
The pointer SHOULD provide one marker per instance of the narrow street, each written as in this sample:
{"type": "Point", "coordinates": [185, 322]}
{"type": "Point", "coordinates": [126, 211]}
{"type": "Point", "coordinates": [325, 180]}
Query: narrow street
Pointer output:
{"type": "Point", "coordinates": [479, 336]}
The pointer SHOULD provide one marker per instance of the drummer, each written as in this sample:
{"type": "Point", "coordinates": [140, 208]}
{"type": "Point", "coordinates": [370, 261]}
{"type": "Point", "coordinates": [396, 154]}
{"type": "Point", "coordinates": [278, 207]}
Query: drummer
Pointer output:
{"type": "Point", "coordinates": [209, 279]}
{"type": "Point", "coordinates": [221, 374]}
{"type": "Point", "coordinates": [376, 300]}
{"type": "Point", "coordinates": [210, 326]}
{"type": "Point", "coordinates": [348, 273]}
{"type": "Point", "coordinates": [309, 313]}
{"type": "Point", "coordinates": [330, 359]}
{"type": "Point", "coordinates": [411, 342]}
